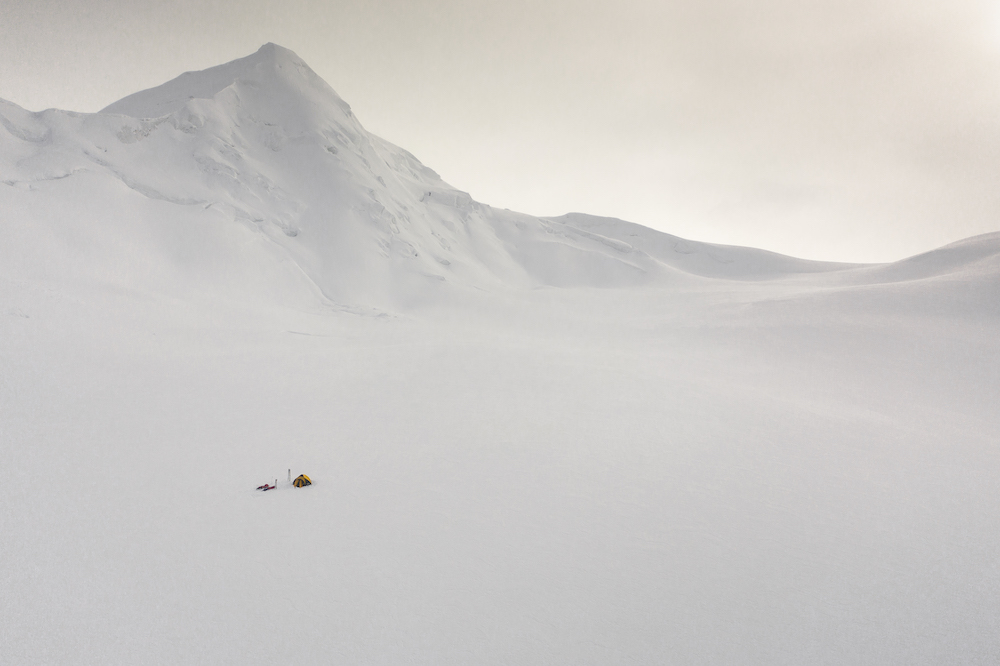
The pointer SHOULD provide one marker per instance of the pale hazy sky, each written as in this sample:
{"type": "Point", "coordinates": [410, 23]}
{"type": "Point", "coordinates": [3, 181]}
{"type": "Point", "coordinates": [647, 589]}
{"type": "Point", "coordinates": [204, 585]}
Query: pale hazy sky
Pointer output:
{"type": "Point", "coordinates": [840, 129]}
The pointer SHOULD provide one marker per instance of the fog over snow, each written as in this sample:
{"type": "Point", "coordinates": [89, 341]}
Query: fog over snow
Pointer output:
{"type": "Point", "coordinates": [563, 440]}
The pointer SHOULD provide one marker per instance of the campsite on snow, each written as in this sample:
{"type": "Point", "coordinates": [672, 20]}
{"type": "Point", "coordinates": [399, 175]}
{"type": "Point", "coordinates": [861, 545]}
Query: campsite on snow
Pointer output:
{"type": "Point", "coordinates": [567, 440]}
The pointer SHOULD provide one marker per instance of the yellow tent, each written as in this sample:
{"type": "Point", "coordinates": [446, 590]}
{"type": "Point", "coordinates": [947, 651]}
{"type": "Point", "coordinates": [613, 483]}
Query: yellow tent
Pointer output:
{"type": "Point", "coordinates": [301, 480]}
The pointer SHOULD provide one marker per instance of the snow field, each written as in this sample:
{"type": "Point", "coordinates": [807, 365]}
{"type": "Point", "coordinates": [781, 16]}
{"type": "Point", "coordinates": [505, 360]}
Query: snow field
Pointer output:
{"type": "Point", "coordinates": [568, 440]}
{"type": "Point", "coordinates": [612, 481]}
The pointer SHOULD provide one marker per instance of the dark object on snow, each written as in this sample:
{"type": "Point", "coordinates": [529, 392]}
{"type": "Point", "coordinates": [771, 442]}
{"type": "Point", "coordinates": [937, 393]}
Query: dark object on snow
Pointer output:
{"type": "Point", "coordinates": [265, 487]}
{"type": "Point", "coordinates": [301, 480]}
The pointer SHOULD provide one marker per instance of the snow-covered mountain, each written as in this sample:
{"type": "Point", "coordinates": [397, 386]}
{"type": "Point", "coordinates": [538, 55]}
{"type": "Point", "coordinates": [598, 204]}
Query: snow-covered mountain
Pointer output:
{"type": "Point", "coordinates": [575, 440]}
{"type": "Point", "coordinates": [267, 170]}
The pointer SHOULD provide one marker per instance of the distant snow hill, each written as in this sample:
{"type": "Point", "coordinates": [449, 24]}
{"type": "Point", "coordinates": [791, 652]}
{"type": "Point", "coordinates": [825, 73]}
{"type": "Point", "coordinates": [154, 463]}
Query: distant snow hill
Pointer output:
{"type": "Point", "coordinates": [255, 177]}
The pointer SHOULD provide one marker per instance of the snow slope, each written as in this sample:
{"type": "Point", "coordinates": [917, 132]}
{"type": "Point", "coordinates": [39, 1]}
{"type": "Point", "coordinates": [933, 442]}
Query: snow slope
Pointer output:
{"type": "Point", "coordinates": [264, 151]}
{"type": "Point", "coordinates": [567, 440]}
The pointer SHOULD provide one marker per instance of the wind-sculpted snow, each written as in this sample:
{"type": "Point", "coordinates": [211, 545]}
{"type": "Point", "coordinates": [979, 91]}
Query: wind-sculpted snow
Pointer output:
{"type": "Point", "coordinates": [568, 440]}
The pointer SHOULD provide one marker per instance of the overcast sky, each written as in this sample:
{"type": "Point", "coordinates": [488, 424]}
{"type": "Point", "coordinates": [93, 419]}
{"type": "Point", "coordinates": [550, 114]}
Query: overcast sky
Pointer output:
{"type": "Point", "coordinates": [858, 130]}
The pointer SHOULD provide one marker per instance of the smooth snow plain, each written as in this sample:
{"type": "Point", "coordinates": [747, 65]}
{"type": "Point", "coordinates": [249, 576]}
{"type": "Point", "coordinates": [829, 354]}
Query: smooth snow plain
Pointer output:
{"type": "Point", "coordinates": [568, 440]}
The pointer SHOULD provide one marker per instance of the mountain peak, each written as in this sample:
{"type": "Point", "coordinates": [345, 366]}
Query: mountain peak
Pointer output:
{"type": "Point", "coordinates": [269, 63]}
{"type": "Point", "coordinates": [272, 54]}
{"type": "Point", "coordinates": [274, 51]}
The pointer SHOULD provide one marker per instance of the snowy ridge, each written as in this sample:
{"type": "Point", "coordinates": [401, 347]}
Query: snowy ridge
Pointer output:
{"type": "Point", "coordinates": [979, 255]}
{"type": "Point", "coordinates": [703, 259]}
{"type": "Point", "coordinates": [270, 65]}
{"type": "Point", "coordinates": [264, 143]}
{"type": "Point", "coordinates": [261, 154]}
